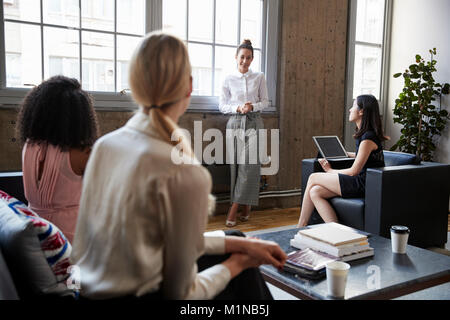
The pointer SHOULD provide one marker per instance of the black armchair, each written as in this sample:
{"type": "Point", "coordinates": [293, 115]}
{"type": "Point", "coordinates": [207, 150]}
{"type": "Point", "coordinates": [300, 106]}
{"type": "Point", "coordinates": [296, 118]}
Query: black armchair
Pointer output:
{"type": "Point", "coordinates": [12, 184]}
{"type": "Point", "coordinates": [405, 192]}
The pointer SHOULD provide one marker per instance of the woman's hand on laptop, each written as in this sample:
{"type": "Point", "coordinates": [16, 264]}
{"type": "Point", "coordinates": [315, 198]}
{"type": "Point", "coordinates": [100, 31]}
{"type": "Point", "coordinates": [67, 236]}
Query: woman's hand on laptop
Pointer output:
{"type": "Point", "coordinates": [325, 165]}
{"type": "Point", "coordinates": [351, 154]}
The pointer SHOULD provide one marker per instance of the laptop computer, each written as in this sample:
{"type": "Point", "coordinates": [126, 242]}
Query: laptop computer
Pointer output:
{"type": "Point", "coordinates": [330, 147]}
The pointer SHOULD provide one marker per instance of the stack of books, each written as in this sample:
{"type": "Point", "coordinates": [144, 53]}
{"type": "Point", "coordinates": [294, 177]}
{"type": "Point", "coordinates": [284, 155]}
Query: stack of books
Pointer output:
{"type": "Point", "coordinates": [337, 241]}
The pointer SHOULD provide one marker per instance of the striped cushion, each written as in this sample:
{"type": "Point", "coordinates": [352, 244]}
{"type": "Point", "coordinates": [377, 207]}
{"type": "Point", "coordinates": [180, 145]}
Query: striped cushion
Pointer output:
{"type": "Point", "coordinates": [54, 245]}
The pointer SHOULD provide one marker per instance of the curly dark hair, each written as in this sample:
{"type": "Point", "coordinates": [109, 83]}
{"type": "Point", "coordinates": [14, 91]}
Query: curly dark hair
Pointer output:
{"type": "Point", "coordinates": [58, 112]}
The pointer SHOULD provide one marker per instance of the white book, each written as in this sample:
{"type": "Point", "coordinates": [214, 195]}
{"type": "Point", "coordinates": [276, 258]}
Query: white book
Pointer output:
{"type": "Point", "coordinates": [342, 246]}
{"type": "Point", "coordinates": [301, 242]}
{"type": "Point", "coordinates": [334, 234]}
{"type": "Point", "coordinates": [355, 256]}
{"type": "Point", "coordinates": [360, 255]}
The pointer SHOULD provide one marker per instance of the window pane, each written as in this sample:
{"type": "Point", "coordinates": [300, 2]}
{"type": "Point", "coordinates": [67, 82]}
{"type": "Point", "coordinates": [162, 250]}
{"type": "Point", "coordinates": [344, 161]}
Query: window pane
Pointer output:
{"type": "Point", "coordinates": [62, 12]}
{"type": "Point", "coordinates": [26, 10]}
{"type": "Point", "coordinates": [201, 61]}
{"type": "Point", "coordinates": [369, 21]}
{"type": "Point", "coordinates": [125, 48]}
{"type": "Point", "coordinates": [61, 52]}
{"type": "Point", "coordinates": [174, 17]}
{"type": "Point", "coordinates": [64, 66]}
{"type": "Point", "coordinates": [98, 61]}
{"type": "Point", "coordinates": [201, 20]}
{"type": "Point", "coordinates": [256, 64]}
{"type": "Point", "coordinates": [227, 21]}
{"type": "Point", "coordinates": [97, 14]}
{"type": "Point", "coordinates": [367, 73]}
{"type": "Point", "coordinates": [23, 54]}
{"type": "Point", "coordinates": [225, 65]}
{"type": "Point", "coordinates": [251, 21]}
{"type": "Point", "coordinates": [130, 16]}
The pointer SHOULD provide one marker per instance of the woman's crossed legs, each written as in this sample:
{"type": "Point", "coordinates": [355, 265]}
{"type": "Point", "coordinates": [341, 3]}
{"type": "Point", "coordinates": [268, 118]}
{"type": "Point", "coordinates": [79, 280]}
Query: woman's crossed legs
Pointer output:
{"type": "Point", "coordinates": [320, 187]}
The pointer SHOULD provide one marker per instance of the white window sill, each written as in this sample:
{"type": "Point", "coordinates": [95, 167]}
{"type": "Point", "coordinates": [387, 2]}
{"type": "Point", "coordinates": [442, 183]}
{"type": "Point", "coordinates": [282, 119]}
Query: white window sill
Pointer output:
{"type": "Point", "coordinates": [13, 97]}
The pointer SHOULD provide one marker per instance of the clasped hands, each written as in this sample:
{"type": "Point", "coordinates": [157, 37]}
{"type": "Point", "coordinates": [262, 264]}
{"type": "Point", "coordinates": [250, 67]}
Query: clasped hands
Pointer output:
{"type": "Point", "coordinates": [246, 108]}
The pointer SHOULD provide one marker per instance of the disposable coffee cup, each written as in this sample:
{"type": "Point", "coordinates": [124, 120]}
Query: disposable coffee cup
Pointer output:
{"type": "Point", "coordinates": [399, 239]}
{"type": "Point", "coordinates": [337, 272]}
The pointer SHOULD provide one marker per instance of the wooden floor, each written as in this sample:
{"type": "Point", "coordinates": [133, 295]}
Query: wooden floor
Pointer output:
{"type": "Point", "coordinates": [259, 220]}
{"type": "Point", "coordinates": [265, 219]}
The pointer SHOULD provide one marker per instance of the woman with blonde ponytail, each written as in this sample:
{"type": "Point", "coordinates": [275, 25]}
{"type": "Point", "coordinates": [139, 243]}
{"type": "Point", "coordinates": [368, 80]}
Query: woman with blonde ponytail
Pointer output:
{"type": "Point", "coordinates": [140, 229]}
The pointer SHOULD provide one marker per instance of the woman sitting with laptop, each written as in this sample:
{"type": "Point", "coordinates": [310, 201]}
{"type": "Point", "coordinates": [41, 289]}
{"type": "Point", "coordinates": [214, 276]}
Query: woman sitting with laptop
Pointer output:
{"type": "Point", "coordinates": [347, 183]}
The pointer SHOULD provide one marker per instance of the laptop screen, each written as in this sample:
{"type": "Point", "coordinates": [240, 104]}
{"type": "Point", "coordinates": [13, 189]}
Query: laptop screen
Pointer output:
{"type": "Point", "coordinates": [330, 147]}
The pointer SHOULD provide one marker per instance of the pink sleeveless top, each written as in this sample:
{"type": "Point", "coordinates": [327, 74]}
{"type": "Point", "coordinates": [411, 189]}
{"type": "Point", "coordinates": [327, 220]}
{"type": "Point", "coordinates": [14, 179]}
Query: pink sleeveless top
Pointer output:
{"type": "Point", "coordinates": [56, 196]}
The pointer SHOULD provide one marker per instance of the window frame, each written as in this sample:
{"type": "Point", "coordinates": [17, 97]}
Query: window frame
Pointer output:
{"type": "Point", "coordinates": [268, 55]}
{"type": "Point", "coordinates": [384, 79]}
{"type": "Point", "coordinates": [122, 101]}
{"type": "Point", "coordinates": [102, 99]}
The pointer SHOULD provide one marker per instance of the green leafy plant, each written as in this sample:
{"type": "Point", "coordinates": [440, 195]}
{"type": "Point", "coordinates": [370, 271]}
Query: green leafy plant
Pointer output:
{"type": "Point", "coordinates": [422, 120]}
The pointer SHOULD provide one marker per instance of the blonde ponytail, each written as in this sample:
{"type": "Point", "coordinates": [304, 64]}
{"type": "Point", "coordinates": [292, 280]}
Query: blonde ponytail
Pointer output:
{"type": "Point", "coordinates": [167, 129]}
{"type": "Point", "coordinates": [159, 76]}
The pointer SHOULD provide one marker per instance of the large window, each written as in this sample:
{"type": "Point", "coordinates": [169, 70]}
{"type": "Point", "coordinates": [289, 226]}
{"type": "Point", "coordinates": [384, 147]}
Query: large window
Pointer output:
{"type": "Point", "coordinates": [368, 40]}
{"type": "Point", "coordinates": [367, 44]}
{"type": "Point", "coordinates": [368, 47]}
{"type": "Point", "coordinates": [213, 29]}
{"type": "Point", "coordinates": [92, 40]}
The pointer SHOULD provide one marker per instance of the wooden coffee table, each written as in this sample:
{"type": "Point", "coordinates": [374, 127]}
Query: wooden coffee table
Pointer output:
{"type": "Point", "coordinates": [384, 276]}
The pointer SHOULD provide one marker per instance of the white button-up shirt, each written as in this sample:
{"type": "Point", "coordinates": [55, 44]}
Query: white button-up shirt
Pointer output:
{"type": "Point", "coordinates": [141, 220]}
{"type": "Point", "coordinates": [238, 88]}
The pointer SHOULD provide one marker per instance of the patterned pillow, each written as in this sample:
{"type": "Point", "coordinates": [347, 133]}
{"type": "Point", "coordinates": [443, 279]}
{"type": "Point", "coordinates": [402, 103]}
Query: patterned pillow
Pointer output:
{"type": "Point", "coordinates": [36, 248]}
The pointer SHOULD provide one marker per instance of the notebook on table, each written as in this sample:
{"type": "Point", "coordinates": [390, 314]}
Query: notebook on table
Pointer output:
{"type": "Point", "coordinates": [334, 234]}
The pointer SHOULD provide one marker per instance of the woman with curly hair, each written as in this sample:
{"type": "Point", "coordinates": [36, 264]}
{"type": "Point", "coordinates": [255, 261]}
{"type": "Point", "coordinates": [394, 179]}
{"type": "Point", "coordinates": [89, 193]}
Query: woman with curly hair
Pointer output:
{"type": "Point", "coordinates": [58, 126]}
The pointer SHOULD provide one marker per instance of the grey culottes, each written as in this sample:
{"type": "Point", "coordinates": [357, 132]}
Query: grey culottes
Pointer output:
{"type": "Point", "coordinates": [243, 157]}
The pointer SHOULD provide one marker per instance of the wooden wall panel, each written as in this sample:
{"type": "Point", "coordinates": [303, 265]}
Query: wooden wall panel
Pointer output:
{"type": "Point", "coordinates": [311, 81]}
{"type": "Point", "coordinates": [10, 148]}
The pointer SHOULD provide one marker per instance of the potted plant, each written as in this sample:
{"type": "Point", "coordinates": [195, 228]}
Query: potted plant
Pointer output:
{"type": "Point", "coordinates": [416, 111]}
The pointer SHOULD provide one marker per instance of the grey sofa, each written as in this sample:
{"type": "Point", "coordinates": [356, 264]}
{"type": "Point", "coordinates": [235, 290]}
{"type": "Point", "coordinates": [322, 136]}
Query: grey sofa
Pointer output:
{"type": "Point", "coordinates": [404, 192]}
{"type": "Point", "coordinates": [25, 269]}
{"type": "Point", "coordinates": [7, 288]}
{"type": "Point", "coordinates": [10, 182]}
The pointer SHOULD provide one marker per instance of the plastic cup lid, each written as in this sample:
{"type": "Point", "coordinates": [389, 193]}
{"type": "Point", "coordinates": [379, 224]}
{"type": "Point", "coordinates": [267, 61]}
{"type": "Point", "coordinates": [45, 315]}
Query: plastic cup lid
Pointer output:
{"type": "Point", "coordinates": [400, 229]}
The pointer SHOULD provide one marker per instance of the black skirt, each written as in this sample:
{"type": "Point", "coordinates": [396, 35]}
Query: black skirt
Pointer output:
{"type": "Point", "coordinates": [353, 186]}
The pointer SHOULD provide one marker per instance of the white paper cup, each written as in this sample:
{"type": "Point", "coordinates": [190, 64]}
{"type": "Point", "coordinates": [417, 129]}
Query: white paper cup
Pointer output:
{"type": "Point", "coordinates": [399, 239]}
{"type": "Point", "coordinates": [337, 272]}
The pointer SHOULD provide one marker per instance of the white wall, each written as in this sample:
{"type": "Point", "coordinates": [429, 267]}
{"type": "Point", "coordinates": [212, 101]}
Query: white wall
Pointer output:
{"type": "Point", "coordinates": [417, 26]}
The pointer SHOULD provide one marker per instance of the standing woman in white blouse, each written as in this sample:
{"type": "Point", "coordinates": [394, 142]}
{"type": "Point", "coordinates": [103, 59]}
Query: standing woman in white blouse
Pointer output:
{"type": "Point", "coordinates": [244, 96]}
